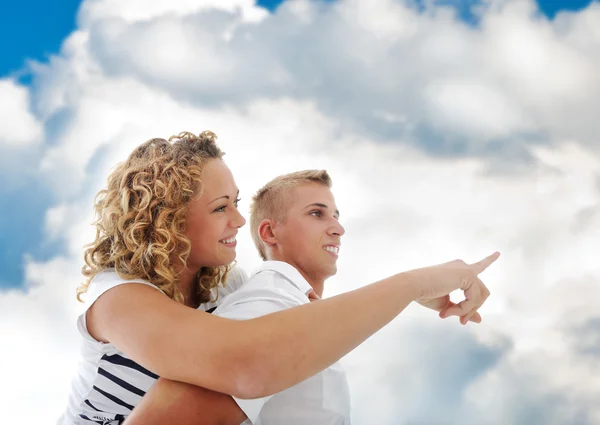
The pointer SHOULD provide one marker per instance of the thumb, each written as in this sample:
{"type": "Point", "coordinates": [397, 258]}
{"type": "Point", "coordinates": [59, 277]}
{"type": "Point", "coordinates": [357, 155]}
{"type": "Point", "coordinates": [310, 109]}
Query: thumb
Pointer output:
{"type": "Point", "coordinates": [476, 318]}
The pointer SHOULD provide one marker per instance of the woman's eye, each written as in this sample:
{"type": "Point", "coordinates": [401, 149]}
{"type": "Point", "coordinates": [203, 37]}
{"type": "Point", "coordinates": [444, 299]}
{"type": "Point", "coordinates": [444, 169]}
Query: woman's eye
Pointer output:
{"type": "Point", "coordinates": [236, 202]}
{"type": "Point", "coordinates": [316, 213]}
{"type": "Point", "coordinates": [220, 209]}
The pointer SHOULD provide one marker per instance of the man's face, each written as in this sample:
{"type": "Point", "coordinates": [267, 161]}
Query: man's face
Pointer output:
{"type": "Point", "coordinates": [309, 237]}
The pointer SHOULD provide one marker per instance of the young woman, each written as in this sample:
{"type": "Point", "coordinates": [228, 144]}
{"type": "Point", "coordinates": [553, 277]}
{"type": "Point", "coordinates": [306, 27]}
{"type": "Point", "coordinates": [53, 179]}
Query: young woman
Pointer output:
{"type": "Point", "coordinates": [166, 226]}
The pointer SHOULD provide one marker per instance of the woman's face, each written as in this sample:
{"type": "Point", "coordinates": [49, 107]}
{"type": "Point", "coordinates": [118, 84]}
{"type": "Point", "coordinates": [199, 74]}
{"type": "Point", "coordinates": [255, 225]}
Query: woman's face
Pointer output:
{"type": "Point", "coordinates": [213, 218]}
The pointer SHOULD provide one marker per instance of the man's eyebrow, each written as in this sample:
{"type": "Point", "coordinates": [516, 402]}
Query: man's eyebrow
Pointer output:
{"type": "Point", "coordinates": [318, 204]}
{"type": "Point", "coordinates": [224, 197]}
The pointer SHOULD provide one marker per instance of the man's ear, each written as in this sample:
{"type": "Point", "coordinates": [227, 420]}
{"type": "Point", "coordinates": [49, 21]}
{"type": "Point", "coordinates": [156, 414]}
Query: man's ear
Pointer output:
{"type": "Point", "coordinates": [266, 232]}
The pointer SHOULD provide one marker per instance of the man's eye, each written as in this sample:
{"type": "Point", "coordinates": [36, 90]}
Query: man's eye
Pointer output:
{"type": "Point", "coordinates": [316, 213]}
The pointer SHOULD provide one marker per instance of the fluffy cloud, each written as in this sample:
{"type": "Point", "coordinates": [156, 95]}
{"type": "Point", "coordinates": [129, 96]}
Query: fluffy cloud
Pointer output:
{"type": "Point", "coordinates": [444, 140]}
{"type": "Point", "coordinates": [40, 349]}
{"type": "Point", "coordinates": [20, 128]}
{"type": "Point", "coordinates": [136, 11]}
{"type": "Point", "coordinates": [515, 75]}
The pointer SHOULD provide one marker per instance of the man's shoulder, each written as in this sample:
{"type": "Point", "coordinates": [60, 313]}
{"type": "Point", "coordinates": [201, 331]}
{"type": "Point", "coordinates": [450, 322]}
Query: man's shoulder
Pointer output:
{"type": "Point", "coordinates": [268, 290]}
{"type": "Point", "coordinates": [282, 274]}
{"type": "Point", "coordinates": [268, 280]}
{"type": "Point", "coordinates": [271, 287]}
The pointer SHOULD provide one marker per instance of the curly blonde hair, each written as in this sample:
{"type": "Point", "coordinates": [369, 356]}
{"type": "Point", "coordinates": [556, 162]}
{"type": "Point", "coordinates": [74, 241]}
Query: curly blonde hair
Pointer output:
{"type": "Point", "coordinates": [141, 215]}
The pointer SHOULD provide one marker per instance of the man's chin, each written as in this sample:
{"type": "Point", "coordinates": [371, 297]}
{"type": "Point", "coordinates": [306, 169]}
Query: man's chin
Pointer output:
{"type": "Point", "coordinates": [330, 270]}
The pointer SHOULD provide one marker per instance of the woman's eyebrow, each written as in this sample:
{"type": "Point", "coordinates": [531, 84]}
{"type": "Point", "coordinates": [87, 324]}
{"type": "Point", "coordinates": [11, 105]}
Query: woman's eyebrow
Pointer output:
{"type": "Point", "coordinates": [224, 197]}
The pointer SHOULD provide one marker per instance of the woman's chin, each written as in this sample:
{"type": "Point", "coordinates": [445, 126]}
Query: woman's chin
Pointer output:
{"type": "Point", "coordinates": [220, 259]}
{"type": "Point", "coordinates": [225, 260]}
{"type": "Point", "coordinates": [230, 260]}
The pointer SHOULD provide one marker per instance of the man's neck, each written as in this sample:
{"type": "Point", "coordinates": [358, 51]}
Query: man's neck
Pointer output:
{"type": "Point", "coordinates": [318, 287]}
{"type": "Point", "coordinates": [316, 283]}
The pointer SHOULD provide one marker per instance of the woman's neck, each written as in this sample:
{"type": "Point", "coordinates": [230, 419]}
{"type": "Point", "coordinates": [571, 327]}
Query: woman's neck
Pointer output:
{"type": "Point", "coordinates": [187, 286]}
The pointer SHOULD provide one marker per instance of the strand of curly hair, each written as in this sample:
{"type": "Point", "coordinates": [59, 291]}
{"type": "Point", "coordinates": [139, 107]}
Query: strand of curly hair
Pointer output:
{"type": "Point", "coordinates": [140, 216]}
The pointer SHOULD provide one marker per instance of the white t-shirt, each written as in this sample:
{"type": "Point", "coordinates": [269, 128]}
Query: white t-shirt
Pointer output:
{"type": "Point", "coordinates": [107, 384]}
{"type": "Point", "coordinates": [322, 399]}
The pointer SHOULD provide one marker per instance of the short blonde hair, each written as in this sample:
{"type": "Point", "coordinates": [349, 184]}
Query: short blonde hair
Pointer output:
{"type": "Point", "coordinates": [273, 199]}
{"type": "Point", "coordinates": [141, 215]}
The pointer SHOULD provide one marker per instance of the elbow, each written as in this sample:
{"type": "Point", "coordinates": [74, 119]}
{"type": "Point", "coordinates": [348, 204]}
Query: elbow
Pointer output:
{"type": "Point", "coordinates": [256, 377]}
{"type": "Point", "coordinates": [255, 368]}
{"type": "Point", "coordinates": [252, 371]}
{"type": "Point", "coordinates": [251, 383]}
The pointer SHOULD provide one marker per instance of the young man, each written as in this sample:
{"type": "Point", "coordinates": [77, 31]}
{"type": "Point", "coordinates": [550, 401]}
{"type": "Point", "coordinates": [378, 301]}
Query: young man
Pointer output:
{"type": "Point", "coordinates": [294, 225]}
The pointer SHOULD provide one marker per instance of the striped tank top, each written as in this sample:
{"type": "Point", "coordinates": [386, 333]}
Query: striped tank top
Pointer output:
{"type": "Point", "coordinates": [108, 384]}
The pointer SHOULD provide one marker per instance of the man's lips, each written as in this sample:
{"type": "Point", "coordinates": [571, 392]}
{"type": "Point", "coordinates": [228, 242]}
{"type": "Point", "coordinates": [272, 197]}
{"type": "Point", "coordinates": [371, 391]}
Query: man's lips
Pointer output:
{"type": "Point", "coordinates": [332, 249]}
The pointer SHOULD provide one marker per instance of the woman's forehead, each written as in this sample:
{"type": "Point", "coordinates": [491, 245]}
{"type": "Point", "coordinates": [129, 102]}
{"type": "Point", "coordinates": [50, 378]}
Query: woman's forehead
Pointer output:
{"type": "Point", "coordinates": [217, 177]}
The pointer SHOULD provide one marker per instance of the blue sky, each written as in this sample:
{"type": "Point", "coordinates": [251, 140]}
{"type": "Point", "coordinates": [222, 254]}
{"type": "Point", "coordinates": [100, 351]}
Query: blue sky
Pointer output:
{"type": "Point", "coordinates": [34, 30]}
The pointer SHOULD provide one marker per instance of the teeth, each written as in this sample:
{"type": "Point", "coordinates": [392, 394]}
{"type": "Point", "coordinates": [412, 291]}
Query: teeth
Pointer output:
{"type": "Point", "coordinates": [334, 249]}
{"type": "Point", "coordinates": [230, 240]}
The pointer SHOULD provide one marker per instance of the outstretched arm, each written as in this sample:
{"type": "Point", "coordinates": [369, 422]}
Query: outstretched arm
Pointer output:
{"type": "Point", "coordinates": [262, 356]}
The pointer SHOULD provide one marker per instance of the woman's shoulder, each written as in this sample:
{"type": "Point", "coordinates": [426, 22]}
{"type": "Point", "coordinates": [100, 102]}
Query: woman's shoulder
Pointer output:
{"type": "Point", "coordinates": [108, 279]}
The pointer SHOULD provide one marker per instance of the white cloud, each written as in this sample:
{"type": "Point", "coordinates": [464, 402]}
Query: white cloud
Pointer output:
{"type": "Point", "coordinates": [20, 129]}
{"type": "Point", "coordinates": [40, 345]}
{"type": "Point", "coordinates": [515, 73]}
{"type": "Point", "coordinates": [457, 105]}
{"type": "Point", "coordinates": [548, 71]}
{"type": "Point", "coordinates": [137, 10]}
{"type": "Point", "coordinates": [319, 85]}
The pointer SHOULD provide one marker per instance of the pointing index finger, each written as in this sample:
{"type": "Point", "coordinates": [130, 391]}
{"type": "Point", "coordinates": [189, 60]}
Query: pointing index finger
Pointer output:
{"type": "Point", "coordinates": [480, 266]}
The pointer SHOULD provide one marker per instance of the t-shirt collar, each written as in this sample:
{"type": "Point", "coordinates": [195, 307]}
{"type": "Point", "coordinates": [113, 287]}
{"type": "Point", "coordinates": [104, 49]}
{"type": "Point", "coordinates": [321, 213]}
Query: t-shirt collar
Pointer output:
{"type": "Point", "coordinates": [288, 271]}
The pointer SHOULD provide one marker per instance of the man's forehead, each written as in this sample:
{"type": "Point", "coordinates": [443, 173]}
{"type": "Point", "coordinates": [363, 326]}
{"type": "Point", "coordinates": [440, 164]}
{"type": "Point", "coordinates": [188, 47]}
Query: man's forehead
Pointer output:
{"type": "Point", "coordinates": [319, 197]}
{"type": "Point", "coordinates": [312, 193]}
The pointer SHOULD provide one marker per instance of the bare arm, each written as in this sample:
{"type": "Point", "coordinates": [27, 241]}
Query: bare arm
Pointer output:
{"type": "Point", "coordinates": [170, 402]}
{"type": "Point", "coordinates": [261, 356]}
{"type": "Point", "coordinates": [247, 359]}
{"type": "Point", "coordinates": [185, 404]}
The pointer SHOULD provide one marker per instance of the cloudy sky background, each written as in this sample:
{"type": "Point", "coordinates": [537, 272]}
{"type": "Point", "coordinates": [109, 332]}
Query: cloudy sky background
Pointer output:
{"type": "Point", "coordinates": [451, 129]}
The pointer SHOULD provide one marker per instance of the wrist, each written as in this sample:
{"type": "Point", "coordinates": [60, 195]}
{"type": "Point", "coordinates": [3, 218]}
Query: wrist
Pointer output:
{"type": "Point", "coordinates": [410, 284]}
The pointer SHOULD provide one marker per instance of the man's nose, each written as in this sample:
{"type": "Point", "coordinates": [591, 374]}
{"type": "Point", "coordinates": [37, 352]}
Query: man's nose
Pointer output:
{"type": "Point", "coordinates": [337, 229]}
